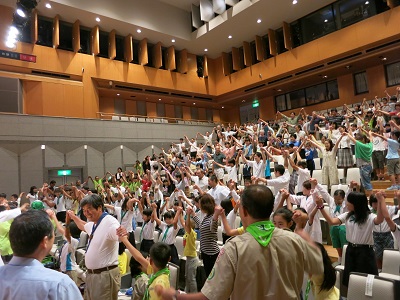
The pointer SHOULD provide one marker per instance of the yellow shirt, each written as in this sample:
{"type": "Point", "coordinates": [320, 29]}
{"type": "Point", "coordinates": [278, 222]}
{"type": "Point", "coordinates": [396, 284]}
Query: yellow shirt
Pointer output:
{"type": "Point", "coordinates": [122, 263]}
{"type": "Point", "coordinates": [189, 240]}
{"type": "Point", "coordinates": [241, 230]}
{"type": "Point", "coordinates": [316, 281]}
{"type": "Point", "coordinates": [162, 280]}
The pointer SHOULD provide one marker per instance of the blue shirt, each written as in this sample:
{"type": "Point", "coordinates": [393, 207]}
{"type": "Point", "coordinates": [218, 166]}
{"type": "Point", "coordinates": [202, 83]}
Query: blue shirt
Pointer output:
{"type": "Point", "coordinates": [26, 278]}
{"type": "Point", "coordinates": [393, 146]}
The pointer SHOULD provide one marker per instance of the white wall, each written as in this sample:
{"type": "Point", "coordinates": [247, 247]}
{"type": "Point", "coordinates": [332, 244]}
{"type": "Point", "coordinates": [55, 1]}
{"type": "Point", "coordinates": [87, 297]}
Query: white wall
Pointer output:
{"type": "Point", "coordinates": [9, 172]}
{"type": "Point", "coordinates": [31, 169]}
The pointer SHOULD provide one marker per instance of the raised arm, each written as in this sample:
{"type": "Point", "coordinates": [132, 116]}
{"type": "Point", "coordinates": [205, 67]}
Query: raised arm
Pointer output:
{"type": "Point", "coordinates": [329, 219]}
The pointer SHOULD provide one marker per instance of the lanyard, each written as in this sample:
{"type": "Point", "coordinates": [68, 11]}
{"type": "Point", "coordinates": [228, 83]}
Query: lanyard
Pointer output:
{"type": "Point", "coordinates": [95, 227]}
{"type": "Point", "coordinates": [165, 233]}
{"type": "Point", "coordinates": [141, 231]}
{"type": "Point", "coordinates": [123, 213]}
{"type": "Point", "coordinates": [151, 279]}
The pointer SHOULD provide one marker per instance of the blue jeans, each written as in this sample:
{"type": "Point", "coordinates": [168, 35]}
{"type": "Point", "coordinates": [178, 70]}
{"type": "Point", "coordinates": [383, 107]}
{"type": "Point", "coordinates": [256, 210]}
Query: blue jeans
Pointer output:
{"type": "Point", "coordinates": [365, 174]}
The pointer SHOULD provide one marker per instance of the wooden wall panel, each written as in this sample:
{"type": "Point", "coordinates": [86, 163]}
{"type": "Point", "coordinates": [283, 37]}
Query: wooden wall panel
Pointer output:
{"type": "Point", "coordinates": [226, 70]}
{"type": "Point", "coordinates": [56, 31]}
{"type": "Point", "coordinates": [216, 116]}
{"type": "Point", "coordinates": [157, 56]}
{"type": "Point", "coordinates": [76, 36]}
{"type": "Point", "coordinates": [33, 97]}
{"type": "Point", "coordinates": [106, 105]}
{"type": "Point", "coordinates": [183, 61]}
{"type": "Point", "coordinates": [151, 109]}
{"type": "Point", "coordinates": [171, 65]}
{"type": "Point", "coordinates": [128, 51]}
{"type": "Point", "coordinates": [72, 104]}
{"type": "Point", "coordinates": [95, 40]}
{"type": "Point", "coordinates": [186, 113]}
{"type": "Point", "coordinates": [247, 54]}
{"type": "Point", "coordinates": [169, 111]}
{"type": "Point", "coordinates": [205, 66]}
{"type": "Point", "coordinates": [131, 108]}
{"type": "Point", "coordinates": [260, 49]}
{"type": "Point", "coordinates": [236, 62]}
{"type": "Point", "coordinates": [202, 113]}
{"type": "Point", "coordinates": [34, 26]}
{"type": "Point", "coordinates": [112, 48]}
{"type": "Point", "coordinates": [143, 53]}
{"type": "Point", "coordinates": [272, 42]}
{"type": "Point", "coordinates": [287, 36]}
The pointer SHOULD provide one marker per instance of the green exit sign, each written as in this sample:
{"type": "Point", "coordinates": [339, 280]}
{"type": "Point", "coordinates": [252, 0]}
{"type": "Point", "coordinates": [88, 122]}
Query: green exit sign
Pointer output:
{"type": "Point", "coordinates": [256, 104]}
{"type": "Point", "coordinates": [64, 172]}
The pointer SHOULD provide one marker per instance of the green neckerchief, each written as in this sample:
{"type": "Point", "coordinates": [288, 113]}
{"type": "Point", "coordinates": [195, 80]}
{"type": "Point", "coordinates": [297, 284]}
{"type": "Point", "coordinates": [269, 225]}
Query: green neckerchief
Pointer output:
{"type": "Point", "coordinates": [138, 276]}
{"type": "Point", "coordinates": [151, 279]}
{"type": "Point", "coordinates": [261, 231]}
{"type": "Point", "coordinates": [308, 288]}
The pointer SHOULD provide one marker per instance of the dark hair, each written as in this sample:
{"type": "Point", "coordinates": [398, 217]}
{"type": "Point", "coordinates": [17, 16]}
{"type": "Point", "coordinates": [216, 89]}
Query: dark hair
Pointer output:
{"type": "Point", "coordinates": [135, 265]}
{"type": "Point", "coordinates": [121, 248]}
{"type": "Point", "coordinates": [331, 145]}
{"type": "Point", "coordinates": [329, 272]}
{"type": "Point", "coordinates": [207, 203]}
{"type": "Point", "coordinates": [94, 200]}
{"type": "Point", "coordinates": [169, 215]}
{"type": "Point", "coordinates": [258, 201]}
{"type": "Point", "coordinates": [226, 204]}
{"type": "Point", "coordinates": [74, 230]}
{"type": "Point", "coordinates": [302, 163]}
{"type": "Point", "coordinates": [53, 181]}
{"type": "Point", "coordinates": [301, 209]}
{"type": "Point", "coordinates": [340, 193]}
{"type": "Point", "coordinates": [284, 213]}
{"type": "Point", "coordinates": [28, 230]}
{"type": "Point", "coordinates": [3, 195]}
{"type": "Point", "coordinates": [13, 195]}
{"type": "Point", "coordinates": [361, 210]}
{"type": "Point", "coordinates": [213, 177]}
{"type": "Point", "coordinates": [231, 161]}
{"type": "Point", "coordinates": [31, 190]}
{"type": "Point", "coordinates": [372, 199]}
{"type": "Point", "coordinates": [396, 134]}
{"type": "Point", "coordinates": [147, 212]}
{"type": "Point", "coordinates": [125, 204]}
{"type": "Point", "coordinates": [258, 154]}
{"type": "Point", "coordinates": [160, 253]}
{"type": "Point", "coordinates": [280, 169]}
{"type": "Point", "coordinates": [307, 184]}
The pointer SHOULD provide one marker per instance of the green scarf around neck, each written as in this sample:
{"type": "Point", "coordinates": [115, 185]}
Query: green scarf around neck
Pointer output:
{"type": "Point", "coordinates": [151, 279]}
{"type": "Point", "coordinates": [261, 231]}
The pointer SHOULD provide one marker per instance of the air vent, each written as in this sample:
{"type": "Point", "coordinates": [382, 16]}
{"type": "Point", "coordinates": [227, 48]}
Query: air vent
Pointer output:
{"type": "Point", "coordinates": [382, 46]}
{"type": "Point", "coordinates": [181, 95]}
{"type": "Point", "coordinates": [309, 70]}
{"type": "Point", "coordinates": [48, 74]}
{"type": "Point", "coordinates": [202, 98]}
{"type": "Point", "coordinates": [128, 88]}
{"type": "Point", "coordinates": [254, 88]}
{"type": "Point", "coordinates": [132, 96]}
{"type": "Point", "coordinates": [344, 58]}
{"type": "Point", "coordinates": [157, 92]}
{"type": "Point", "coordinates": [280, 79]}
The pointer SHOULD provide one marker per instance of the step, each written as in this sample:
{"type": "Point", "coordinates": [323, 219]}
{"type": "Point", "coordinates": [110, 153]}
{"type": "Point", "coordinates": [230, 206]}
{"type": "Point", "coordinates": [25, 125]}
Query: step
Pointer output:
{"type": "Point", "coordinates": [332, 253]}
{"type": "Point", "coordinates": [381, 184]}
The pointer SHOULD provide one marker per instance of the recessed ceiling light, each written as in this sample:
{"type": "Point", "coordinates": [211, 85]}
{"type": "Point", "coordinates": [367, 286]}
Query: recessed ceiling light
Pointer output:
{"type": "Point", "coordinates": [222, 107]}
{"type": "Point", "coordinates": [48, 5]}
{"type": "Point", "coordinates": [294, 2]}
{"type": "Point", "coordinates": [366, 2]}
{"type": "Point", "coordinates": [97, 19]}
{"type": "Point", "coordinates": [159, 99]}
{"type": "Point", "coordinates": [243, 100]}
{"type": "Point", "coordinates": [384, 58]}
{"type": "Point", "coordinates": [194, 103]}
{"type": "Point", "coordinates": [206, 50]}
{"type": "Point", "coordinates": [173, 40]}
{"type": "Point", "coordinates": [138, 31]}
{"type": "Point", "coordinates": [229, 36]}
{"type": "Point", "coordinates": [259, 21]}
{"type": "Point", "coordinates": [21, 13]}
{"type": "Point", "coordinates": [326, 21]}
{"type": "Point", "coordinates": [118, 94]}
{"type": "Point", "coordinates": [324, 76]}
{"type": "Point", "coordinates": [279, 90]}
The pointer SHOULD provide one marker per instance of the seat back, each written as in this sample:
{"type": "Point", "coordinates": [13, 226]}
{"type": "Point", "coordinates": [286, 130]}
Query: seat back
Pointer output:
{"type": "Point", "coordinates": [317, 174]}
{"type": "Point", "coordinates": [156, 236]}
{"type": "Point", "coordinates": [83, 240]}
{"type": "Point", "coordinates": [125, 119]}
{"type": "Point", "coordinates": [137, 234]}
{"type": "Point", "coordinates": [115, 118]}
{"type": "Point", "coordinates": [379, 288]}
{"type": "Point", "coordinates": [179, 245]}
{"type": "Point", "coordinates": [353, 174]}
{"type": "Point", "coordinates": [391, 262]}
{"type": "Point", "coordinates": [173, 275]}
{"type": "Point", "coordinates": [336, 187]}
{"type": "Point", "coordinates": [219, 234]}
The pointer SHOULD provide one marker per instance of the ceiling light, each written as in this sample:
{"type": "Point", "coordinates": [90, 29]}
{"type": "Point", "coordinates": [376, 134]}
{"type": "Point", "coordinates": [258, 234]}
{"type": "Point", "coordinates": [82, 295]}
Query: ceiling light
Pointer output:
{"type": "Point", "coordinates": [229, 36]}
{"type": "Point", "coordinates": [294, 2]}
{"type": "Point", "coordinates": [326, 21]}
{"type": "Point", "coordinates": [366, 2]}
{"type": "Point", "coordinates": [118, 94]}
{"type": "Point", "coordinates": [97, 19]}
{"type": "Point", "coordinates": [21, 13]}
{"type": "Point", "coordinates": [222, 107]}
{"type": "Point", "coordinates": [194, 103]}
{"type": "Point", "coordinates": [138, 31]}
{"type": "Point", "coordinates": [48, 5]}
{"type": "Point", "coordinates": [383, 58]}
{"type": "Point", "coordinates": [85, 147]}
{"type": "Point", "coordinates": [159, 99]}
{"type": "Point", "coordinates": [279, 90]}
{"type": "Point", "coordinates": [206, 50]}
{"type": "Point", "coordinates": [43, 147]}
{"type": "Point", "coordinates": [173, 40]}
{"type": "Point", "coordinates": [10, 44]}
{"type": "Point", "coordinates": [243, 100]}
{"type": "Point", "coordinates": [259, 21]}
{"type": "Point", "coordinates": [122, 147]}
{"type": "Point", "coordinates": [324, 76]}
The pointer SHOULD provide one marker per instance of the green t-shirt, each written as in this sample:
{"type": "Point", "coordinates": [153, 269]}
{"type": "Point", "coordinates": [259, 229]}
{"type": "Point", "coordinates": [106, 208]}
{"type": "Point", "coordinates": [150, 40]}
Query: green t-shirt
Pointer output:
{"type": "Point", "coordinates": [5, 246]}
{"type": "Point", "coordinates": [364, 151]}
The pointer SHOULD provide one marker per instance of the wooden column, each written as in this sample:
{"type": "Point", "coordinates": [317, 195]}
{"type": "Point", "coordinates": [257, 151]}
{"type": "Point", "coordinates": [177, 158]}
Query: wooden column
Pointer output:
{"type": "Point", "coordinates": [170, 61]}
{"type": "Point", "coordinates": [205, 66]}
{"type": "Point", "coordinates": [143, 53]}
{"type": "Point", "coordinates": [272, 42]}
{"type": "Point", "coordinates": [236, 62]}
{"type": "Point", "coordinates": [56, 31]}
{"type": "Point", "coordinates": [225, 64]}
{"type": "Point", "coordinates": [182, 62]}
{"type": "Point", "coordinates": [112, 50]}
{"type": "Point", "coordinates": [260, 50]}
{"type": "Point", "coordinates": [34, 26]}
{"type": "Point", "coordinates": [128, 53]}
{"type": "Point", "coordinates": [247, 54]}
{"type": "Point", "coordinates": [287, 36]}
{"type": "Point", "coordinates": [95, 40]}
{"type": "Point", "coordinates": [76, 36]}
{"type": "Point", "coordinates": [157, 55]}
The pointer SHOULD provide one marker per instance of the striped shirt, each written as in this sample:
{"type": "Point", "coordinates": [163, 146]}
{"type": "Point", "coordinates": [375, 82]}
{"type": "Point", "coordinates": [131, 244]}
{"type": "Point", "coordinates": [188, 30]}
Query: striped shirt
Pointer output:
{"type": "Point", "coordinates": [147, 231]}
{"type": "Point", "coordinates": [208, 234]}
{"type": "Point", "coordinates": [168, 233]}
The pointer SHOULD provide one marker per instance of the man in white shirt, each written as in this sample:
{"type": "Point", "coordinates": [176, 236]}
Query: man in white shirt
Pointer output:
{"type": "Point", "coordinates": [258, 165]}
{"type": "Point", "coordinates": [217, 191]}
{"type": "Point", "coordinates": [200, 179]}
{"type": "Point", "coordinates": [103, 278]}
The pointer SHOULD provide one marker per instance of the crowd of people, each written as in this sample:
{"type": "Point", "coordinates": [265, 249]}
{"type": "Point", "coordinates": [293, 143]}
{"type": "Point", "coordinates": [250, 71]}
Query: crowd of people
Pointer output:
{"type": "Point", "coordinates": [259, 172]}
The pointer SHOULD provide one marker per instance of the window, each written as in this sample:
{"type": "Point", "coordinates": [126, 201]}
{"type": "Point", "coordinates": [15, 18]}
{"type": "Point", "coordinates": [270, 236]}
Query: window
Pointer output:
{"type": "Point", "coordinates": [318, 24]}
{"type": "Point", "coordinates": [103, 42]}
{"type": "Point", "coordinates": [280, 41]}
{"type": "Point", "coordinates": [141, 108]}
{"type": "Point", "coordinates": [280, 103]}
{"type": "Point", "coordinates": [160, 110]}
{"type": "Point", "coordinates": [351, 12]}
{"type": "Point", "coordinates": [65, 36]}
{"type": "Point", "coordinates": [45, 32]}
{"type": "Point", "coordinates": [194, 113]}
{"type": "Point", "coordinates": [178, 112]}
{"type": "Point", "coordinates": [85, 41]}
{"type": "Point", "coordinates": [316, 94]}
{"type": "Point", "coordinates": [119, 47]}
{"type": "Point", "coordinates": [209, 114]}
{"type": "Point", "coordinates": [392, 74]}
{"type": "Point", "coordinates": [296, 99]}
{"type": "Point", "coordinates": [297, 38]}
{"type": "Point", "coordinates": [360, 83]}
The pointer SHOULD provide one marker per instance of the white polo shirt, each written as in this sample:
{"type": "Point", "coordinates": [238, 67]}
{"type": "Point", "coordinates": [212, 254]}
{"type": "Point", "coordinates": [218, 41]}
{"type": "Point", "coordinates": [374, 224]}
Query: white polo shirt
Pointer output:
{"type": "Point", "coordinates": [201, 183]}
{"type": "Point", "coordinates": [126, 217]}
{"type": "Point", "coordinates": [168, 234]}
{"type": "Point", "coordinates": [359, 234]}
{"type": "Point", "coordinates": [219, 193]}
{"type": "Point", "coordinates": [103, 248]}
{"type": "Point", "coordinates": [258, 168]}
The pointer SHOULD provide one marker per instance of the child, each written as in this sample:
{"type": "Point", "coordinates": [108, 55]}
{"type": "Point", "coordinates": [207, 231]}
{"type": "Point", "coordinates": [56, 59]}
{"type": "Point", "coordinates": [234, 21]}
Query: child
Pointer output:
{"type": "Point", "coordinates": [141, 279]}
{"type": "Point", "coordinates": [323, 286]}
{"type": "Point", "coordinates": [230, 212]}
{"type": "Point", "coordinates": [169, 231]}
{"type": "Point", "coordinates": [383, 238]}
{"type": "Point", "coordinates": [359, 221]}
{"type": "Point", "coordinates": [301, 170]}
{"type": "Point", "coordinates": [189, 242]}
{"type": "Point", "coordinates": [156, 267]}
{"type": "Point", "coordinates": [283, 218]}
{"type": "Point", "coordinates": [122, 259]}
{"type": "Point", "coordinates": [147, 232]}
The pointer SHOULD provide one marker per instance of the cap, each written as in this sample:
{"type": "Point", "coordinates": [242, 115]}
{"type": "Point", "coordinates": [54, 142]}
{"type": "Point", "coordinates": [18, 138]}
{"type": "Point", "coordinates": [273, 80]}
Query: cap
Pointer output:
{"type": "Point", "coordinates": [37, 204]}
